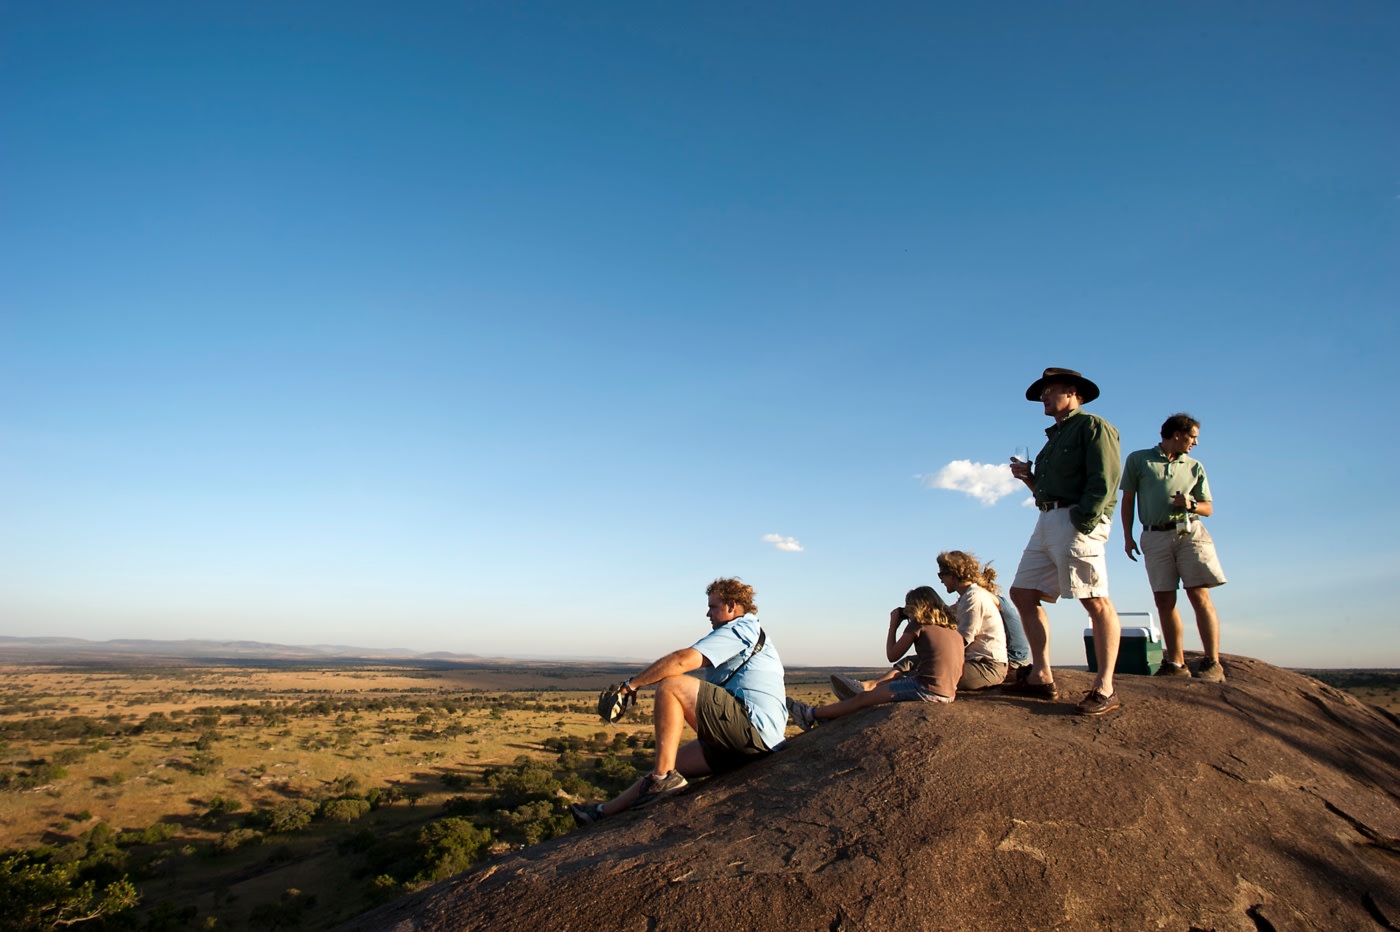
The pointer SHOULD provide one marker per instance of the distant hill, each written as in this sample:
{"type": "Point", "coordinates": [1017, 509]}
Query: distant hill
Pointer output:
{"type": "Point", "coordinates": [60, 650]}
{"type": "Point", "coordinates": [1269, 802]}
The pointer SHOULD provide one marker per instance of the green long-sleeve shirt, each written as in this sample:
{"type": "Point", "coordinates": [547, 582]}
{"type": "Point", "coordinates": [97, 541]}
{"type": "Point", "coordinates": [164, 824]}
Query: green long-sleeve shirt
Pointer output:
{"type": "Point", "coordinates": [1079, 464]}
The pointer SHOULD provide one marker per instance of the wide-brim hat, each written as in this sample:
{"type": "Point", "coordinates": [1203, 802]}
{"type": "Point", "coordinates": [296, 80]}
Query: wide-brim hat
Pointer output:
{"type": "Point", "coordinates": [1088, 391]}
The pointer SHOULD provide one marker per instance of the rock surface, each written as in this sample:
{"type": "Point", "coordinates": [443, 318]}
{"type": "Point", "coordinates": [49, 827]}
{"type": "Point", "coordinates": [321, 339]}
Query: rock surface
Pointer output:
{"type": "Point", "coordinates": [1270, 802]}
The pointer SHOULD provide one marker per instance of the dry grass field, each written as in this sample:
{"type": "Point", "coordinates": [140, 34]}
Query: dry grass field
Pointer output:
{"type": "Point", "coordinates": [187, 770]}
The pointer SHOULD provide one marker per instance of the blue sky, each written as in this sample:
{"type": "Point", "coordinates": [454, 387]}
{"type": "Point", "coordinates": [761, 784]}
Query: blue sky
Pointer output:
{"type": "Point", "coordinates": [504, 328]}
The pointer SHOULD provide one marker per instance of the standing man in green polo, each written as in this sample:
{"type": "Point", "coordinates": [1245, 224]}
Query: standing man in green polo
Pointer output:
{"type": "Point", "coordinates": [1075, 481]}
{"type": "Point", "coordinates": [1172, 494]}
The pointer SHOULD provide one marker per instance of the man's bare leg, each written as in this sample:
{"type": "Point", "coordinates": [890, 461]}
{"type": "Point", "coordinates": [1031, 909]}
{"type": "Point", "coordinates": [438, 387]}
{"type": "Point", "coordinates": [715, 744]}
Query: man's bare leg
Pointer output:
{"type": "Point", "coordinates": [674, 708]}
{"type": "Point", "coordinates": [1206, 621]}
{"type": "Point", "coordinates": [1173, 635]}
{"type": "Point", "coordinates": [1106, 636]}
{"type": "Point", "coordinates": [1037, 626]}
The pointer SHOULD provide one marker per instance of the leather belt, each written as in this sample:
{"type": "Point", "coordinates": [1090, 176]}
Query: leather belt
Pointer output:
{"type": "Point", "coordinates": [1051, 506]}
{"type": "Point", "coordinates": [1159, 527]}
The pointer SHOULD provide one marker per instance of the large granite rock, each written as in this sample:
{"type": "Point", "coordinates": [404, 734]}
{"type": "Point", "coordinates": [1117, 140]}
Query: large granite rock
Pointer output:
{"type": "Point", "coordinates": [1271, 802]}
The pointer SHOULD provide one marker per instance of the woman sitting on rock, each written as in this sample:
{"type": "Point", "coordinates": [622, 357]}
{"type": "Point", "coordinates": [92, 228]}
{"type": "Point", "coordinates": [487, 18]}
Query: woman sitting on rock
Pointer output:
{"type": "Point", "coordinates": [933, 634]}
{"type": "Point", "coordinates": [979, 618]}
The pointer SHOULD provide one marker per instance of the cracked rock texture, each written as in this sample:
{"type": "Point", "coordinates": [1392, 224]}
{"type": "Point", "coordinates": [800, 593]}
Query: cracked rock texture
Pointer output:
{"type": "Point", "coordinates": [1270, 802]}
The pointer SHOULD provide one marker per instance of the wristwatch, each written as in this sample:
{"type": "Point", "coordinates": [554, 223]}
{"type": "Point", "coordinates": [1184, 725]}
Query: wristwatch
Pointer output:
{"type": "Point", "coordinates": [1192, 506]}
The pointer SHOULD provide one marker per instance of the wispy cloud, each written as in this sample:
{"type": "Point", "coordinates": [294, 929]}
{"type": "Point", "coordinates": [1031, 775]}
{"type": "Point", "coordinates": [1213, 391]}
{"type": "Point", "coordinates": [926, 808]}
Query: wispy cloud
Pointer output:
{"type": "Point", "coordinates": [986, 482]}
{"type": "Point", "coordinates": [786, 544]}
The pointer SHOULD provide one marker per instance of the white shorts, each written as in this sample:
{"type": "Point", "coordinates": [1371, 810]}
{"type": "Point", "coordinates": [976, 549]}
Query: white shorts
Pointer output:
{"type": "Point", "coordinates": [1190, 560]}
{"type": "Point", "coordinates": [1059, 560]}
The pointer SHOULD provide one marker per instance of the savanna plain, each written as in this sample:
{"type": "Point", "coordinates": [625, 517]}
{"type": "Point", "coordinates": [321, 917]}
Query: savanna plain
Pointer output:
{"type": "Point", "coordinates": [163, 795]}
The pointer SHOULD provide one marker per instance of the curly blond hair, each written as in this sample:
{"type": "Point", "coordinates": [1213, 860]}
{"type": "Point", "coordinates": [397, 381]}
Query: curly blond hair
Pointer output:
{"type": "Point", "coordinates": [965, 568]}
{"type": "Point", "coordinates": [734, 589]}
{"type": "Point", "coordinates": [922, 605]}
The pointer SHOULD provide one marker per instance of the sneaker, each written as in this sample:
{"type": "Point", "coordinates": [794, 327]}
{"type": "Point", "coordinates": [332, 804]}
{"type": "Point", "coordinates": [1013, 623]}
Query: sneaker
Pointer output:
{"type": "Point", "coordinates": [1172, 669]}
{"type": "Point", "coordinates": [1211, 671]}
{"type": "Point", "coordinates": [586, 814]}
{"type": "Point", "coordinates": [656, 786]}
{"type": "Point", "coordinates": [1096, 703]}
{"type": "Point", "coordinates": [802, 714]}
{"type": "Point", "coordinates": [844, 686]}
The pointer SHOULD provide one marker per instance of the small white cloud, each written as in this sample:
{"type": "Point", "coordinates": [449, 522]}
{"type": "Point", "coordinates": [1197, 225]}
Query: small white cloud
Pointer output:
{"type": "Point", "coordinates": [986, 482]}
{"type": "Point", "coordinates": [785, 544]}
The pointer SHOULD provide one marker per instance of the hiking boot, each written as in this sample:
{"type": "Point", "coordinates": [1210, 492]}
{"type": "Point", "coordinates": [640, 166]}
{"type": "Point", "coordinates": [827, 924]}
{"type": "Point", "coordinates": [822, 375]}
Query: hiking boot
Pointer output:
{"type": "Point", "coordinates": [844, 686]}
{"type": "Point", "coordinates": [586, 814]}
{"type": "Point", "coordinates": [1096, 703]}
{"type": "Point", "coordinates": [1172, 669]}
{"type": "Point", "coordinates": [803, 715]}
{"type": "Point", "coordinates": [1211, 671]}
{"type": "Point", "coordinates": [656, 786]}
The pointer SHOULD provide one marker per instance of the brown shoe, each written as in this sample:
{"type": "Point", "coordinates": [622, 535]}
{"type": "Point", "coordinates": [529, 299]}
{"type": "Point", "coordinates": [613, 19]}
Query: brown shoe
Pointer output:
{"type": "Point", "coordinates": [1096, 703]}
{"type": "Point", "coordinates": [1172, 669]}
{"type": "Point", "coordinates": [1022, 686]}
{"type": "Point", "coordinates": [1211, 671]}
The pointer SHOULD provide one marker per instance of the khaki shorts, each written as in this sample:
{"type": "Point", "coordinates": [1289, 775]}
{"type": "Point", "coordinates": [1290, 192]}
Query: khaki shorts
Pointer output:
{"type": "Point", "coordinates": [982, 673]}
{"type": "Point", "coordinates": [727, 737]}
{"type": "Point", "coordinates": [1189, 560]}
{"type": "Point", "coordinates": [1059, 560]}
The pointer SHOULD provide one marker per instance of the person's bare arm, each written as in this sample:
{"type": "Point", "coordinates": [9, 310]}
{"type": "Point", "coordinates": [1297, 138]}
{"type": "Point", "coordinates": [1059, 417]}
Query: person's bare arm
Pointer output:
{"type": "Point", "coordinates": [897, 647]}
{"type": "Point", "coordinates": [676, 663]}
{"type": "Point", "coordinates": [1130, 546]}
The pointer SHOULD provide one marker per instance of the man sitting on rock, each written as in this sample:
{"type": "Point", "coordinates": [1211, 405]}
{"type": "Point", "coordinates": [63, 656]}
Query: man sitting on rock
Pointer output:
{"type": "Point", "coordinates": [736, 706]}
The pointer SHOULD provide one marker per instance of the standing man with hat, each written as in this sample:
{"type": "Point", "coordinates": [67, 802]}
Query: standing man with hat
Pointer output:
{"type": "Point", "coordinates": [1171, 492]}
{"type": "Point", "coordinates": [1075, 481]}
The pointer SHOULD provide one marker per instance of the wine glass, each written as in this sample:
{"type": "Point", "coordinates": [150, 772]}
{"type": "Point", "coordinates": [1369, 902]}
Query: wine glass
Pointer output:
{"type": "Point", "coordinates": [1021, 455]}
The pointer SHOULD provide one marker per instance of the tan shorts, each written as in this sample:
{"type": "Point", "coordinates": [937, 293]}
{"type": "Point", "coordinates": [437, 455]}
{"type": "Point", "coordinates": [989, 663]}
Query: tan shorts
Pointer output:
{"type": "Point", "coordinates": [982, 673]}
{"type": "Point", "coordinates": [1189, 560]}
{"type": "Point", "coordinates": [1059, 560]}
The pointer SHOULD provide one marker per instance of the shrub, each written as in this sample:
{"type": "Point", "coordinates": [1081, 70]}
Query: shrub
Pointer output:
{"type": "Point", "coordinates": [290, 816]}
{"type": "Point", "coordinates": [344, 810]}
{"type": "Point", "coordinates": [449, 846]}
{"type": "Point", "coordinates": [237, 838]}
{"type": "Point", "coordinates": [203, 763]}
{"type": "Point", "coordinates": [40, 894]}
{"type": "Point", "coordinates": [220, 806]}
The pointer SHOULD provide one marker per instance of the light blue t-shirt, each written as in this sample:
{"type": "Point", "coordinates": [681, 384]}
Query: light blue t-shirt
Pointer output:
{"type": "Point", "coordinates": [759, 685]}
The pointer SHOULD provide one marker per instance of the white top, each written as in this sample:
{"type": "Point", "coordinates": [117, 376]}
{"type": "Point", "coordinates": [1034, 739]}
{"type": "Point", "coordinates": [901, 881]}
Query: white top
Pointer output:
{"type": "Point", "coordinates": [979, 623]}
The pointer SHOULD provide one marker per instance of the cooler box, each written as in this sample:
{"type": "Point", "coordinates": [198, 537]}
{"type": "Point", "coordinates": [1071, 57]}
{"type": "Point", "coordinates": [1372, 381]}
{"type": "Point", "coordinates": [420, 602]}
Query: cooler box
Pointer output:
{"type": "Point", "coordinates": [1139, 651]}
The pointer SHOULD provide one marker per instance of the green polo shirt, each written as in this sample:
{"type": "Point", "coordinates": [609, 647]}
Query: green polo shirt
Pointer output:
{"type": "Point", "coordinates": [1154, 479]}
{"type": "Point", "coordinates": [1079, 465]}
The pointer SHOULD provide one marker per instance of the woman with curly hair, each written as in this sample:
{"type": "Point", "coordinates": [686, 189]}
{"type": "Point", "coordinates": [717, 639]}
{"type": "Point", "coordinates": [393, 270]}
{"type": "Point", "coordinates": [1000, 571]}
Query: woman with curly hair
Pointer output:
{"type": "Point", "coordinates": [933, 634]}
{"type": "Point", "coordinates": [979, 618]}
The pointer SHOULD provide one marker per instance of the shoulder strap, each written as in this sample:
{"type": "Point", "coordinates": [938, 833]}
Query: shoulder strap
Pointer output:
{"type": "Point", "coordinates": [758, 646]}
